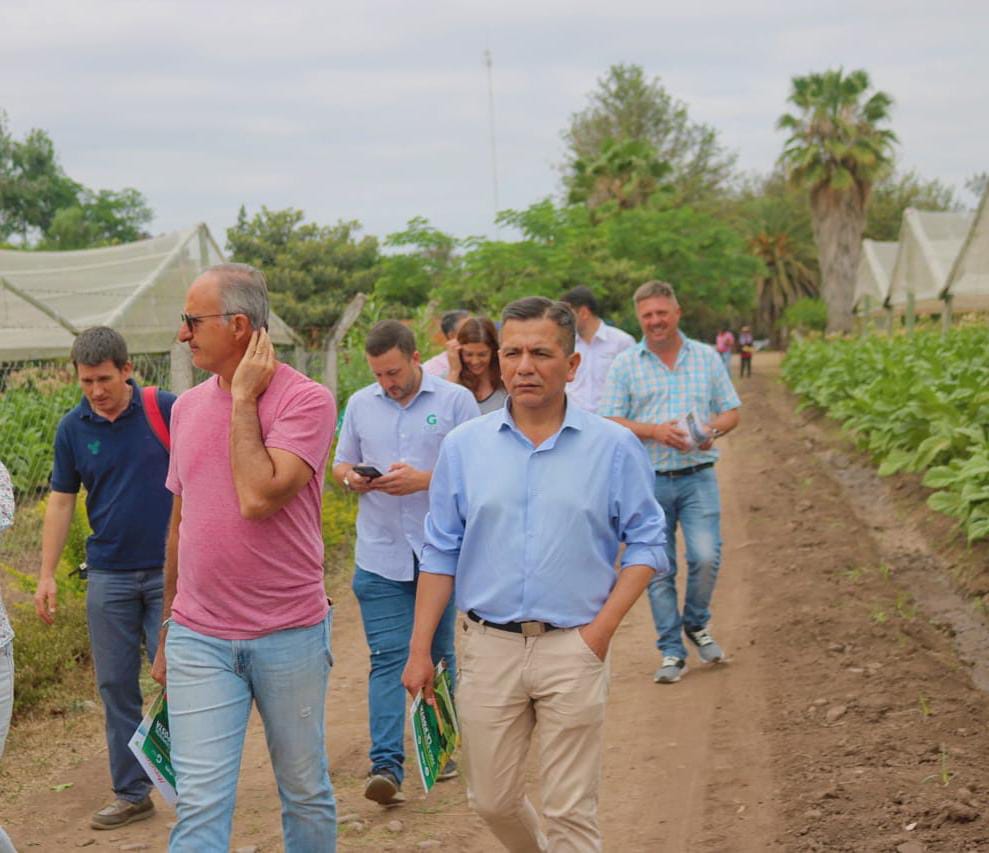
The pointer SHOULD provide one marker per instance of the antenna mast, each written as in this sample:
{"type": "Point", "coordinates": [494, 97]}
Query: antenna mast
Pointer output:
{"type": "Point", "coordinates": [491, 122]}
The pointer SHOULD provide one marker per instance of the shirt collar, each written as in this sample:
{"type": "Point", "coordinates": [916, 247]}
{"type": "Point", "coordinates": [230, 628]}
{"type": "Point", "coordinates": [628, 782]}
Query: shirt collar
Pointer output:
{"type": "Point", "coordinates": [573, 418]}
{"type": "Point", "coordinates": [685, 344]}
{"type": "Point", "coordinates": [86, 410]}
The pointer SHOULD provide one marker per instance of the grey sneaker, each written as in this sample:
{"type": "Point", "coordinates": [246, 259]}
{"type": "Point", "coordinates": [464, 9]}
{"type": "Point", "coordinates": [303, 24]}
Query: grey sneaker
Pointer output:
{"type": "Point", "coordinates": [449, 771]}
{"type": "Point", "coordinates": [383, 787]}
{"type": "Point", "coordinates": [670, 670]}
{"type": "Point", "coordinates": [708, 650]}
{"type": "Point", "coordinates": [122, 812]}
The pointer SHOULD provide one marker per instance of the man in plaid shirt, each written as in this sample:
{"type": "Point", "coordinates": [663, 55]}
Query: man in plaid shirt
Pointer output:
{"type": "Point", "coordinates": [651, 389]}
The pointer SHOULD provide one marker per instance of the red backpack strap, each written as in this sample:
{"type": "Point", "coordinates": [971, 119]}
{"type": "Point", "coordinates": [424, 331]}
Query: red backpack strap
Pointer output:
{"type": "Point", "coordinates": [156, 422]}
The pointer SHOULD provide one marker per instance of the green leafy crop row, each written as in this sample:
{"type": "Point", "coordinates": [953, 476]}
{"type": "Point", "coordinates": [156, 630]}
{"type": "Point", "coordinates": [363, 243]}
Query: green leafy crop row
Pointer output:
{"type": "Point", "coordinates": [917, 403]}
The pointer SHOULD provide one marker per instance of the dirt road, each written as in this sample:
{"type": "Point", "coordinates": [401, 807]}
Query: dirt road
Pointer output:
{"type": "Point", "coordinates": [844, 721]}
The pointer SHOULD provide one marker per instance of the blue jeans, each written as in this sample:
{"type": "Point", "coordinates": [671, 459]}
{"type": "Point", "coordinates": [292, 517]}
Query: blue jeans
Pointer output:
{"type": "Point", "coordinates": [388, 611]}
{"type": "Point", "coordinates": [123, 609]}
{"type": "Point", "coordinates": [693, 503]}
{"type": "Point", "coordinates": [211, 686]}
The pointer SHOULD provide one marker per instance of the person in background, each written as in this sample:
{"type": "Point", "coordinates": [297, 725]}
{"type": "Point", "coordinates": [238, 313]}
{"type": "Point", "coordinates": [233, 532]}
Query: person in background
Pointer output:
{"type": "Point", "coordinates": [6, 639]}
{"type": "Point", "coordinates": [248, 621]}
{"type": "Point", "coordinates": [746, 347]}
{"type": "Point", "coordinates": [652, 387]}
{"type": "Point", "coordinates": [725, 345]}
{"type": "Point", "coordinates": [440, 364]}
{"type": "Point", "coordinates": [597, 343]}
{"type": "Point", "coordinates": [107, 444]}
{"type": "Point", "coordinates": [527, 512]}
{"type": "Point", "coordinates": [475, 364]}
{"type": "Point", "coordinates": [396, 425]}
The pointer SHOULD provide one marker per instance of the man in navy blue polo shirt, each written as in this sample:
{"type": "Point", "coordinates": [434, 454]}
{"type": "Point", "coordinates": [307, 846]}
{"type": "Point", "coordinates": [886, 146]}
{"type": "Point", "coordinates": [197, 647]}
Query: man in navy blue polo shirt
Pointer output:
{"type": "Point", "coordinates": [107, 445]}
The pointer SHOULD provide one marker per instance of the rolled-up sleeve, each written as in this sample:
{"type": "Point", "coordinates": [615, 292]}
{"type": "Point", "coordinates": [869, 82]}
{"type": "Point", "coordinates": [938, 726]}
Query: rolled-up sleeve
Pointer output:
{"type": "Point", "coordinates": [640, 519]}
{"type": "Point", "coordinates": [444, 524]}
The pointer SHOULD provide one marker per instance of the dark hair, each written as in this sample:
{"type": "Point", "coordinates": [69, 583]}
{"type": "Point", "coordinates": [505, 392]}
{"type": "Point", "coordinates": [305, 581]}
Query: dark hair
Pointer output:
{"type": "Point", "coordinates": [480, 330]}
{"type": "Point", "coordinates": [387, 335]}
{"type": "Point", "coordinates": [581, 296]}
{"type": "Point", "coordinates": [243, 290]}
{"type": "Point", "coordinates": [98, 344]}
{"type": "Point", "coordinates": [654, 289]}
{"type": "Point", "coordinates": [449, 321]}
{"type": "Point", "coordinates": [540, 308]}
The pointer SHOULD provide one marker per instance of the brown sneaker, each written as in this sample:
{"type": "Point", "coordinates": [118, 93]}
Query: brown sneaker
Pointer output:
{"type": "Point", "coordinates": [383, 787]}
{"type": "Point", "coordinates": [122, 812]}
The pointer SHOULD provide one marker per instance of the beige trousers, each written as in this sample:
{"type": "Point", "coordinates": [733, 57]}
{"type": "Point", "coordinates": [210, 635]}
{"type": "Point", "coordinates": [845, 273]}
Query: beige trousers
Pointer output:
{"type": "Point", "coordinates": [508, 683]}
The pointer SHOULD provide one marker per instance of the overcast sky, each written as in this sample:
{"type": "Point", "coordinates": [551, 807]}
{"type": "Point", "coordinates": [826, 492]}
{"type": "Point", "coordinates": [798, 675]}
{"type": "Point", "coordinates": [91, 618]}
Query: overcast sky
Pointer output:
{"type": "Point", "coordinates": [379, 111]}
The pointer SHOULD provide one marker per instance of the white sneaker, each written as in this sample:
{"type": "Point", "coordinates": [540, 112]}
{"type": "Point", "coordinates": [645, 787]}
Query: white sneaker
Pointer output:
{"type": "Point", "coordinates": [670, 670]}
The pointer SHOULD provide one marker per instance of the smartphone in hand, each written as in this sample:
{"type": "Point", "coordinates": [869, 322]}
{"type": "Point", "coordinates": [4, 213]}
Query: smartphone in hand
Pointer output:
{"type": "Point", "coordinates": [368, 471]}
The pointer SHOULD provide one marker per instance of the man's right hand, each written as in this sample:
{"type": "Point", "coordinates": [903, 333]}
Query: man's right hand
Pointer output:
{"type": "Point", "coordinates": [418, 675]}
{"type": "Point", "coordinates": [45, 603]}
{"type": "Point", "coordinates": [359, 484]}
{"type": "Point", "coordinates": [672, 436]}
{"type": "Point", "coordinates": [158, 667]}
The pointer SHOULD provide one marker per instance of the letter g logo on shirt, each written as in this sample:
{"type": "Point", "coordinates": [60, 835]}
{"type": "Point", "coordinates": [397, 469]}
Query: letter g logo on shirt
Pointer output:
{"type": "Point", "coordinates": [431, 422]}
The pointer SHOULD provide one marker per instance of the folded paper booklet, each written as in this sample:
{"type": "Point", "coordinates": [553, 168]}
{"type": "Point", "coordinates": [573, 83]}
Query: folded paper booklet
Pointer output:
{"type": "Point", "coordinates": [436, 735]}
{"type": "Point", "coordinates": [151, 743]}
{"type": "Point", "coordinates": [692, 425]}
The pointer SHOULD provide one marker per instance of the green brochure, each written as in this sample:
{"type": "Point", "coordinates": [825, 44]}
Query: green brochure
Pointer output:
{"type": "Point", "coordinates": [151, 744]}
{"type": "Point", "coordinates": [436, 735]}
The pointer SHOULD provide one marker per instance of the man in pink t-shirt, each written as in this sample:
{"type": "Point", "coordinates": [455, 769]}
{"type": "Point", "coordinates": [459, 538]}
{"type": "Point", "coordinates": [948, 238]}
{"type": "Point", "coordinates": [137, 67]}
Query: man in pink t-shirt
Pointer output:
{"type": "Point", "coordinates": [247, 618]}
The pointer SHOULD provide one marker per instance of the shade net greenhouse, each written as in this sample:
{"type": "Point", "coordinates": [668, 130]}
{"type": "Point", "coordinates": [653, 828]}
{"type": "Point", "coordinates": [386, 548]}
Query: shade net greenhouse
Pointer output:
{"type": "Point", "coordinates": [137, 288]}
{"type": "Point", "coordinates": [968, 281]}
{"type": "Point", "coordinates": [45, 299]}
{"type": "Point", "coordinates": [875, 270]}
{"type": "Point", "coordinates": [929, 244]}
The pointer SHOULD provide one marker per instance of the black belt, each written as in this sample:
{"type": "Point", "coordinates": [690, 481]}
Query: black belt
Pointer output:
{"type": "Point", "coordinates": [528, 629]}
{"type": "Point", "coordinates": [684, 472]}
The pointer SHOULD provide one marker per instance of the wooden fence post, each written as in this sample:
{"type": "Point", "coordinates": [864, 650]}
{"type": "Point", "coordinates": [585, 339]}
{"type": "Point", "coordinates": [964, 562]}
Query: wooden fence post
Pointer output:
{"type": "Point", "coordinates": [180, 368]}
{"type": "Point", "coordinates": [335, 338]}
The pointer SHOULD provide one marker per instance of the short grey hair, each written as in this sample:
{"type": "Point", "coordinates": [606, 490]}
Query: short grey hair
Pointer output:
{"type": "Point", "coordinates": [541, 308]}
{"type": "Point", "coordinates": [243, 290]}
{"type": "Point", "coordinates": [98, 344]}
{"type": "Point", "coordinates": [653, 290]}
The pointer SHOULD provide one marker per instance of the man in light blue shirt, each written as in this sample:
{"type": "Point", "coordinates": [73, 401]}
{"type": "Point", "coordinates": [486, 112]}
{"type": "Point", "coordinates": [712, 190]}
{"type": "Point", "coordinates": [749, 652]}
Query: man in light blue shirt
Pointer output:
{"type": "Point", "coordinates": [651, 389]}
{"type": "Point", "coordinates": [391, 432]}
{"type": "Point", "coordinates": [527, 509]}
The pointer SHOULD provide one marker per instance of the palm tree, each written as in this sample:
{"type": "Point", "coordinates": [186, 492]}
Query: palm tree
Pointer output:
{"type": "Point", "coordinates": [837, 151]}
{"type": "Point", "coordinates": [626, 172]}
{"type": "Point", "coordinates": [785, 280]}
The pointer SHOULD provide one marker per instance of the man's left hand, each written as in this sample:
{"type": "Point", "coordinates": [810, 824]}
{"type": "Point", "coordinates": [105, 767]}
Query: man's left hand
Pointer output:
{"type": "Point", "coordinates": [596, 639]}
{"type": "Point", "coordinates": [402, 479]}
{"type": "Point", "coordinates": [256, 368]}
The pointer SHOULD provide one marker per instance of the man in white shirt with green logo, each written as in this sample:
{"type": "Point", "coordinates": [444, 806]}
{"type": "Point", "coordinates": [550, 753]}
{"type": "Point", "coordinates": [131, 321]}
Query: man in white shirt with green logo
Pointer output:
{"type": "Point", "coordinates": [389, 442]}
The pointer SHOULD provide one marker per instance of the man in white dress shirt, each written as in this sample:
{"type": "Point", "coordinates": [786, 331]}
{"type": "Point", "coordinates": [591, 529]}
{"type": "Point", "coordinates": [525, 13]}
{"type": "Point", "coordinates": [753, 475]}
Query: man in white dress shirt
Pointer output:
{"type": "Point", "coordinates": [598, 344]}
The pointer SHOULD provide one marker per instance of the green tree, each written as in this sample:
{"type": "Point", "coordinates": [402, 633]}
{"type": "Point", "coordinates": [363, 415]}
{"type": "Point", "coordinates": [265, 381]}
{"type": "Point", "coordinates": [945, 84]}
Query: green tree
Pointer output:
{"type": "Point", "coordinates": [705, 259]}
{"type": "Point", "coordinates": [312, 270]}
{"type": "Point", "coordinates": [104, 218]}
{"type": "Point", "coordinates": [33, 186]}
{"type": "Point", "coordinates": [894, 193]}
{"type": "Point", "coordinates": [626, 105]}
{"type": "Point", "coordinates": [410, 277]}
{"type": "Point", "coordinates": [837, 151]}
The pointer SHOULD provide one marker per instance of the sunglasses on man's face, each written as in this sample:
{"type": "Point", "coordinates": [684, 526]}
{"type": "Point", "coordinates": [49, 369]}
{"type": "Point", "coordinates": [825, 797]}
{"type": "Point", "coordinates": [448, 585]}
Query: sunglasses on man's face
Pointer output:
{"type": "Point", "coordinates": [193, 320]}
